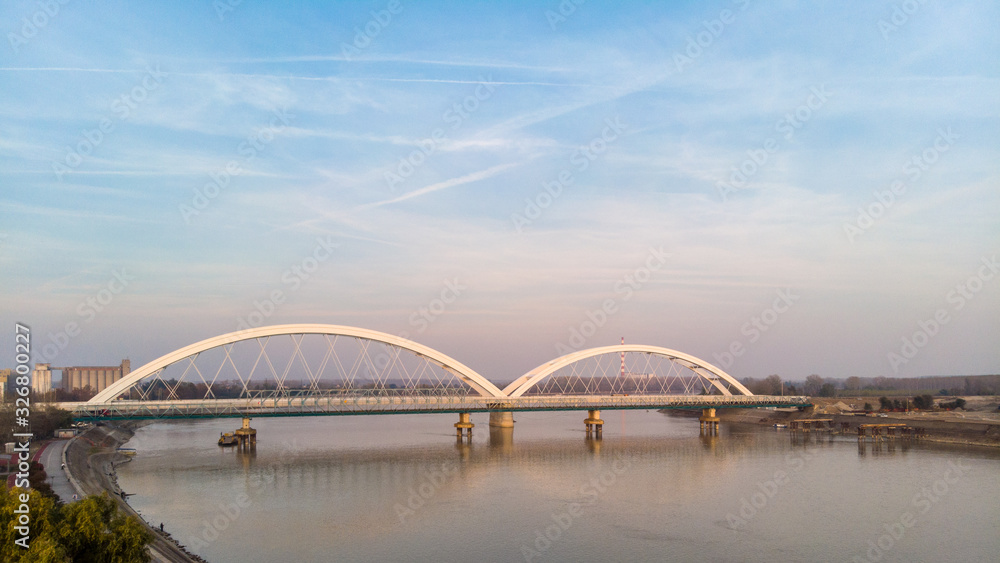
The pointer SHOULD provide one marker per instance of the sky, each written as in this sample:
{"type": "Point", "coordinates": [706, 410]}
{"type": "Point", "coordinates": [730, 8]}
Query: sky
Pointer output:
{"type": "Point", "coordinates": [782, 187]}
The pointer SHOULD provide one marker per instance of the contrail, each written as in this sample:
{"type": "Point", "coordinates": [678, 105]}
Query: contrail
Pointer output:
{"type": "Point", "coordinates": [468, 178]}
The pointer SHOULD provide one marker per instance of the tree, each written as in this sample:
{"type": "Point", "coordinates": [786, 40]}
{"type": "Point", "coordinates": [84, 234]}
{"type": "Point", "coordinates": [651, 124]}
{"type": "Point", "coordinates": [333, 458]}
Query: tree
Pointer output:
{"type": "Point", "coordinates": [958, 403]}
{"type": "Point", "coordinates": [94, 531]}
{"type": "Point", "coordinates": [813, 384]}
{"type": "Point", "coordinates": [38, 480]}
{"type": "Point", "coordinates": [923, 402]}
{"type": "Point", "coordinates": [885, 403]}
{"type": "Point", "coordinates": [43, 543]}
{"type": "Point", "coordinates": [773, 384]}
{"type": "Point", "coordinates": [44, 422]}
{"type": "Point", "coordinates": [868, 407]}
{"type": "Point", "coordinates": [91, 530]}
{"type": "Point", "coordinates": [827, 390]}
{"type": "Point", "coordinates": [852, 383]}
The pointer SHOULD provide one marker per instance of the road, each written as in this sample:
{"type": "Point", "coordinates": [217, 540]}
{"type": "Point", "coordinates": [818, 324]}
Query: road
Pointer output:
{"type": "Point", "coordinates": [51, 458]}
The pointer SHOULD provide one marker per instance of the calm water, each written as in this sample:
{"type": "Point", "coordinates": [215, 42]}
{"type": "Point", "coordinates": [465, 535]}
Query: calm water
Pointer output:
{"type": "Point", "coordinates": [397, 488]}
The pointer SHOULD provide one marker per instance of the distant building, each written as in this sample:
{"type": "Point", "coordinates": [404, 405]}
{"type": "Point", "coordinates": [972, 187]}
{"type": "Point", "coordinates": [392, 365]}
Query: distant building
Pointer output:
{"type": "Point", "coordinates": [41, 379]}
{"type": "Point", "coordinates": [98, 378]}
{"type": "Point", "coordinates": [5, 377]}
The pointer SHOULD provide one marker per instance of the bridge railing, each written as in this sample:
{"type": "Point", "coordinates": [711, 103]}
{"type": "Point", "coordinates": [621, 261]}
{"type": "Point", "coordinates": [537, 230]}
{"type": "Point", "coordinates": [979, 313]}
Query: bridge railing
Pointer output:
{"type": "Point", "coordinates": [389, 404]}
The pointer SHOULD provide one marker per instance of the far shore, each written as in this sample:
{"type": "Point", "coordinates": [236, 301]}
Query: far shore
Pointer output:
{"type": "Point", "coordinates": [978, 426]}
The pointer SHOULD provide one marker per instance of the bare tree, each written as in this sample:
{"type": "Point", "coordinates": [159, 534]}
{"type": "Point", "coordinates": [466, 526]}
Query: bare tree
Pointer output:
{"type": "Point", "coordinates": [773, 384]}
{"type": "Point", "coordinates": [813, 384]}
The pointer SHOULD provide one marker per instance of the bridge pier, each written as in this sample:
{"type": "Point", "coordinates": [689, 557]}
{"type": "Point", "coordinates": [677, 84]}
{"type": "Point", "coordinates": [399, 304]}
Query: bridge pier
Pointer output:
{"type": "Point", "coordinates": [246, 437]}
{"type": "Point", "coordinates": [709, 422]}
{"type": "Point", "coordinates": [464, 424]}
{"type": "Point", "coordinates": [594, 423]}
{"type": "Point", "coordinates": [501, 419]}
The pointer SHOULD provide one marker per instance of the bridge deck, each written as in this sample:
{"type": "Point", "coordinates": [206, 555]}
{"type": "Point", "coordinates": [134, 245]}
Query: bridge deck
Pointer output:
{"type": "Point", "coordinates": [403, 404]}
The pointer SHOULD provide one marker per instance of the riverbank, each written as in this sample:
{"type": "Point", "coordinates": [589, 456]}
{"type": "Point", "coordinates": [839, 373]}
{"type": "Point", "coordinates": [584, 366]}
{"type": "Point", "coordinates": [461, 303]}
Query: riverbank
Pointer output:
{"type": "Point", "coordinates": [91, 459]}
{"type": "Point", "coordinates": [971, 428]}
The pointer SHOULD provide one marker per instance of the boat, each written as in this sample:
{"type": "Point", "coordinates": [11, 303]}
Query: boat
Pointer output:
{"type": "Point", "coordinates": [126, 451]}
{"type": "Point", "coordinates": [227, 439]}
{"type": "Point", "coordinates": [781, 426]}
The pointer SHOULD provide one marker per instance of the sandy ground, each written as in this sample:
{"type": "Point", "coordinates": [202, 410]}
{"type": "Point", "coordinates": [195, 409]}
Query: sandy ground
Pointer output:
{"type": "Point", "coordinates": [979, 426]}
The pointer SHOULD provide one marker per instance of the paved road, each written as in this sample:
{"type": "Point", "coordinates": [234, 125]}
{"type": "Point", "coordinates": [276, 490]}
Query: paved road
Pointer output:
{"type": "Point", "coordinates": [52, 460]}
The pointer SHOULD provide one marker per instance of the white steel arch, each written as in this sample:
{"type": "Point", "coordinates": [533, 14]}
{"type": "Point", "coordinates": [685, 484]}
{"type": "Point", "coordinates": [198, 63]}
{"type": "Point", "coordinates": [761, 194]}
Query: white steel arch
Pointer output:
{"type": "Point", "coordinates": [712, 374]}
{"type": "Point", "coordinates": [453, 366]}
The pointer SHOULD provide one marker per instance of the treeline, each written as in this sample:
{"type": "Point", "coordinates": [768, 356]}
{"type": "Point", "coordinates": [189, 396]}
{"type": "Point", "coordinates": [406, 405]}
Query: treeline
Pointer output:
{"type": "Point", "coordinates": [43, 422]}
{"type": "Point", "coordinates": [920, 402]}
{"type": "Point", "coordinates": [817, 386]}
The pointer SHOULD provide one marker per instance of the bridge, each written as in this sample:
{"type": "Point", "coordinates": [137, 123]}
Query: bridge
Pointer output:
{"type": "Point", "coordinates": [344, 370]}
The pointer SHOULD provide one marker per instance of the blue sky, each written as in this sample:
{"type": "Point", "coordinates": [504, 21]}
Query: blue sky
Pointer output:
{"type": "Point", "coordinates": [408, 146]}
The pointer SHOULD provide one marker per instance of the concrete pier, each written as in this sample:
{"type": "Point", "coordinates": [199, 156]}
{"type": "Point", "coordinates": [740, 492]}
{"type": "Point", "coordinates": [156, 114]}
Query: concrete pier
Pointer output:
{"type": "Point", "coordinates": [246, 437]}
{"type": "Point", "coordinates": [501, 419]}
{"type": "Point", "coordinates": [594, 423]}
{"type": "Point", "coordinates": [463, 425]}
{"type": "Point", "coordinates": [708, 422]}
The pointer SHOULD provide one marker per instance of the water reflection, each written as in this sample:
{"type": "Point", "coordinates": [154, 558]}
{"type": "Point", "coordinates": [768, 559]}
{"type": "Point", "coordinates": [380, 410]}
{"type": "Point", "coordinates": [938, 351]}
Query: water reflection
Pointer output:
{"type": "Point", "coordinates": [373, 468]}
{"type": "Point", "coordinates": [709, 440]}
{"type": "Point", "coordinates": [502, 439]}
{"type": "Point", "coordinates": [594, 444]}
{"type": "Point", "coordinates": [246, 457]}
{"type": "Point", "coordinates": [375, 489]}
{"type": "Point", "coordinates": [464, 449]}
{"type": "Point", "coordinates": [883, 447]}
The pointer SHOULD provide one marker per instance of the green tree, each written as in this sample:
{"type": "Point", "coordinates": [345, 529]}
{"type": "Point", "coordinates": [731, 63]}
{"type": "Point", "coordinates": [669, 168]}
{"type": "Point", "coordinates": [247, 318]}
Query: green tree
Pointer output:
{"type": "Point", "coordinates": [92, 530]}
{"type": "Point", "coordinates": [827, 390]}
{"type": "Point", "coordinates": [43, 545]}
{"type": "Point", "coordinates": [885, 403]}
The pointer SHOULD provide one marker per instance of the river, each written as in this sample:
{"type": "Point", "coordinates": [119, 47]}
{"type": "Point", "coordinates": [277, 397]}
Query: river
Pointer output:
{"type": "Point", "coordinates": [399, 488]}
